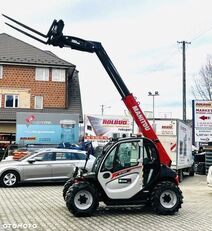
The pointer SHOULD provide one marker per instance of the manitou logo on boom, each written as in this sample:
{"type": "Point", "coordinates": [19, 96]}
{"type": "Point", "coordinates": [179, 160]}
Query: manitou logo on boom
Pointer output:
{"type": "Point", "coordinates": [141, 118]}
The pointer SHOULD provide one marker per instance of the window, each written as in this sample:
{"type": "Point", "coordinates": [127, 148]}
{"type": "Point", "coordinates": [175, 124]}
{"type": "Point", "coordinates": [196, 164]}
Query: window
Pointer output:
{"type": "Point", "coordinates": [150, 153]}
{"type": "Point", "coordinates": [11, 101]}
{"type": "Point", "coordinates": [45, 156]}
{"type": "Point", "coordinates": [123, 156]}
{"type": "Point", "coordinates": [58, 75]}
{"type": "Point", "coordinates": [1, 71]}
{"type": "Point", "coordinates": [42, 74]}
{"type": "Point", "coordinates": [80, 156]}
{"type": "Point", "coordinates": [38, 102]}
{"type": "Point", "coordinates": [70, 156]}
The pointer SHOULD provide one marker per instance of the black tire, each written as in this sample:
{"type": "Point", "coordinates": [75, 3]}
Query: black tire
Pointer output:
{"type": "Point", "coordinates": [82, 199]}
{"type": "Point", "coordinates": [166, 198]}
{"type": "Point", "coordinates": [9, 179]}
{"type": "Point", "coordinates": [66, 186]}
{"type": "Point", "coordinates": [191, 170]}
{"type": "Point", "coordinates": [180, 175]}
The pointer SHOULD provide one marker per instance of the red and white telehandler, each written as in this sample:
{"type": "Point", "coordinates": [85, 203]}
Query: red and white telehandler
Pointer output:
{"type": "Point", "coordinates": [129, 171]}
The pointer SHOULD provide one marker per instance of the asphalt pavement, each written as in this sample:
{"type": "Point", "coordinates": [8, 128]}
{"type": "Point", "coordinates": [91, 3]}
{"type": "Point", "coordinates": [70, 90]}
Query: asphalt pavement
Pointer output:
{"type": "Point", "coordinates": [41, 207]}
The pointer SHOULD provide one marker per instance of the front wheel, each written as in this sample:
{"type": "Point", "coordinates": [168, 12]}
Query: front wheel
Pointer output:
{"type": "Point", "coordinates": [166, 198]}
{"type": "Point", "coordinates": [9, 179]}
{"type": "Point", "coordinates": [66, 186]}
{"type": "Point", "coordinates": [82, 199]}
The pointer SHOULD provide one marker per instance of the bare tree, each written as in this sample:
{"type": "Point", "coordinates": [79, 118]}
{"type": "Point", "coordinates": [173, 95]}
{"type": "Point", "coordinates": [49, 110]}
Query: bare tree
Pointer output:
{"type": "Point", "coordinates": [202, 88]}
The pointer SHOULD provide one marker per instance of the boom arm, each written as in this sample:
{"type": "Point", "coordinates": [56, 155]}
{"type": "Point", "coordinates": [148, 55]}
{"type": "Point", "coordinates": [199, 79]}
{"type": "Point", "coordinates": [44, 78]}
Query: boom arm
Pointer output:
{"type": "Point", "coordinates": [55, 37]}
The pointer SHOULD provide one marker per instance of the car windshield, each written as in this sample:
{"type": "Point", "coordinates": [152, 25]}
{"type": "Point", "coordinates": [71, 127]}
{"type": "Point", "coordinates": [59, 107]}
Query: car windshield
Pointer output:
{"type": "Point", "coordinates": [27, 155]}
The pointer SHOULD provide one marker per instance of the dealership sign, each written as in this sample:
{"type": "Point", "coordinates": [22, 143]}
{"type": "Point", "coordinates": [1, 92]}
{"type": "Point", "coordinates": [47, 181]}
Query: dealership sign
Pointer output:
{"type": "Point", "coordinates": [46, 128]}
{"type": "Point", "coordinates": [102, 128]}
{"type": "Point", "coordinates": [202, 120]}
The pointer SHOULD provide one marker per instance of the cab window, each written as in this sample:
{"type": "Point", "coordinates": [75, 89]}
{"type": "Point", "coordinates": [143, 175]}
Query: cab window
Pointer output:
{"type": "Point", "coordinates": [123, 156]}
{"type": "Point", "coordinates": [149, 152]}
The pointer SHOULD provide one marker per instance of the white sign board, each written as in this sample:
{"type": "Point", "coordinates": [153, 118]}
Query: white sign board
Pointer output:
{"type": "Point", "coordinates": [184, 145]}
{"type": "Point", "coordinates": [101, 128]}
{"type": "Point", "coordinates": [165, 127]}
{"type": "Point", "coordinates": [202, 117]}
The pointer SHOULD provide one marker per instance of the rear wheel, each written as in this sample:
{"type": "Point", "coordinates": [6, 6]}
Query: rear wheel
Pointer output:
{"type": "Point", "coordinates": [82, 199]}
{"type": "Point", "coordinates": [9, 179]}
{"type": "Point", "coordinates": [166, 198]}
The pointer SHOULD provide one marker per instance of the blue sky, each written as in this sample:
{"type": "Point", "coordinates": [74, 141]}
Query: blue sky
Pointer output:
{"type": "Point", "coordinates": [139, 36]}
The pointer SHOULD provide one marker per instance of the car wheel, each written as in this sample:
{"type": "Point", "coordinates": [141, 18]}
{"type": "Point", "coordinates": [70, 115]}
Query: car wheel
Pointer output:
{"type": "Point", "coordinates": [166, 198]}
{"type": "Point", "coordinates": [9, 179]}
{"type": "Point", "coordinates": [66, 186]}
{"type": "Point", "coordinates": [82, 199]}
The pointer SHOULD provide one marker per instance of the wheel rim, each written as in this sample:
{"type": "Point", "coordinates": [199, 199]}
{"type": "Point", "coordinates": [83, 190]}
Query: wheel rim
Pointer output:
{"type": "Point", "coordinates": [168, 199]}
{"type": "Point", "coordinates": [83, 199]}
{"type": "Point", "coordinates": [9, 179]}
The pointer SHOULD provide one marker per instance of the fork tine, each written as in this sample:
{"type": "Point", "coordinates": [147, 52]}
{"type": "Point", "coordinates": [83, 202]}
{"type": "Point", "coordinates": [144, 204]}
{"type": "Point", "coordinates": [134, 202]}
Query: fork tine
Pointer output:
{"type": "Point", "coordinates": [27, 27]}
{"type": "Point", "coordinates": [24, 32]}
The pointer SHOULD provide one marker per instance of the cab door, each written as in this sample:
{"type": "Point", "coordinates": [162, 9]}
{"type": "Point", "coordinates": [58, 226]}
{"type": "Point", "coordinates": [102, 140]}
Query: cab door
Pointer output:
{"type": "Point", "coordinates": [121, 173]}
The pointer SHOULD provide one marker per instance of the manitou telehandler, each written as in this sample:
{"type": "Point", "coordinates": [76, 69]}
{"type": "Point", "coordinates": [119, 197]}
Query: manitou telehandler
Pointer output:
{"type": "Point", "coordinates": [130, 171]}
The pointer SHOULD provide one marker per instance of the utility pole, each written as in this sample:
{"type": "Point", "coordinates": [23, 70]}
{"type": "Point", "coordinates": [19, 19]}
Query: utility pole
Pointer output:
{"type": "Point", "coordinates": [184, 78]}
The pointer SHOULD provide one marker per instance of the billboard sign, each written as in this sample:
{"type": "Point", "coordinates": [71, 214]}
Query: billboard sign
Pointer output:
{"type": "Point", "coordinates": [46, 128]}
{"type": "Point", "coordinates": [102, 128]}
{"type": "Point", "coordinates": [202, 120]}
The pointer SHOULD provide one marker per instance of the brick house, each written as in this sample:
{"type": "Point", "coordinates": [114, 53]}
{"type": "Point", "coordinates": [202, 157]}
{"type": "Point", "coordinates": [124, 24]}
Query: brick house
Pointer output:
{"type": "Point", "coordinates": [34, 80]}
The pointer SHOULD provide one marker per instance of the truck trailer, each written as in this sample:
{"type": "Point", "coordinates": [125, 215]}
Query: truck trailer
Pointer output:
{"type": "Point", "coordinates": [176, 138]}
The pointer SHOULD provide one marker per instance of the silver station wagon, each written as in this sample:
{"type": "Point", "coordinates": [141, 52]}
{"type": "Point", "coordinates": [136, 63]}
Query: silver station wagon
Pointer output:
{"type": "Point", "coordinates": [50, 164]}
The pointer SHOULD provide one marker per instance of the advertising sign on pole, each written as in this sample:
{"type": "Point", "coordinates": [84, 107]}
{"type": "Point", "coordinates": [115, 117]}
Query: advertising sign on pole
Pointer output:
{"type": "Point", "coordinates": [202, 121]}
{"type": "Point", "coordinates": [46, 128]}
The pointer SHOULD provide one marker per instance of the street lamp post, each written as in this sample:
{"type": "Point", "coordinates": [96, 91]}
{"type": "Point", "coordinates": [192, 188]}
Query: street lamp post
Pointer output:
{"type": "Point", "coordinates": [103, 107]}
{"type": "Point", "coordinates": [156, 93]}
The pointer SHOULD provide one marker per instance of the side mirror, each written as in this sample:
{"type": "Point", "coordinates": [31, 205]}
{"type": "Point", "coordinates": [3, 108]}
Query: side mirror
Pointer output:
{"type": "Point", "coordinates": [32, 160]}
{"type": "Point", "coordinates": [87, 156]}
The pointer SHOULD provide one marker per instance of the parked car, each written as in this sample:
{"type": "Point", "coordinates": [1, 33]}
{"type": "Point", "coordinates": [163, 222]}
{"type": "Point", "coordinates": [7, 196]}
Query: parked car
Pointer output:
{"type": "Point", "coordinates": [16, 151]}
{"type": "Point", "coordinates": [51, 164]}
{"type": "Point", "coordinates": [209, 177]}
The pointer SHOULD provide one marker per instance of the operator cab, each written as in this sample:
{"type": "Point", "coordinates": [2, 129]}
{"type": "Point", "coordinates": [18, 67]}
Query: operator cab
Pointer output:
{"type": "Point", "coordinates": [126, 162]}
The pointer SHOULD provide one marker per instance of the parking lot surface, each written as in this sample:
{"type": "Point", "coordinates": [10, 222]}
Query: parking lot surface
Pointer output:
{"type": "Point", "coordinates": [41, 207]}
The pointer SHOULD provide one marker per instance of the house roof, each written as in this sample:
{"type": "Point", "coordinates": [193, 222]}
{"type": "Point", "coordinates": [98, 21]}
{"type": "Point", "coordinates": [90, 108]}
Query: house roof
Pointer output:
{"type": "Point", "coordinates": [15, 51]}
